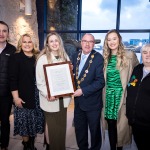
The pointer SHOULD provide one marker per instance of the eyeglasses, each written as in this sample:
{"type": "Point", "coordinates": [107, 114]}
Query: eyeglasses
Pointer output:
{"type": "Point", "coordinates": [89, 42]}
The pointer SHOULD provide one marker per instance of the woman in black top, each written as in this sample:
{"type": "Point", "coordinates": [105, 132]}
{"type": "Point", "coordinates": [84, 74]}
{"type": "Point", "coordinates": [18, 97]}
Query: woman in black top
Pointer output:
{"type": "Point", "coordinates": [138, 101]}
{"type": "Point", "coordinates": [28, 117]}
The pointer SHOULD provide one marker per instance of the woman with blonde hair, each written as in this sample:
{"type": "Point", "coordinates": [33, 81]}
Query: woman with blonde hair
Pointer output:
{"type": "Point", "coordinates": [118, 66]}
{"type": "Point", "coordinates": [55, 109]}
{"type": "Point", "coordinates": [28, 117]}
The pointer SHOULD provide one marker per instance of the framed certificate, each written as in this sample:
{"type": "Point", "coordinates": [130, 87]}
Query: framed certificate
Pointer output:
{"type": "Point", "coordinates": [59, 79]}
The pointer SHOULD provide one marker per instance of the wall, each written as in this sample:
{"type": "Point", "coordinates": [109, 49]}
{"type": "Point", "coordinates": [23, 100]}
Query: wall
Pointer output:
{"type": "Point", "coordinates": [19, 23]}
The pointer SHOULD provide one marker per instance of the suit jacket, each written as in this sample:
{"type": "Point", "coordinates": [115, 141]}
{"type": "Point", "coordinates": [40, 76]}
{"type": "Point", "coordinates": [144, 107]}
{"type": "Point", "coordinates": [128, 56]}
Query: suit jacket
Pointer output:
{"type": "Point", "coordinates": [93, 82]}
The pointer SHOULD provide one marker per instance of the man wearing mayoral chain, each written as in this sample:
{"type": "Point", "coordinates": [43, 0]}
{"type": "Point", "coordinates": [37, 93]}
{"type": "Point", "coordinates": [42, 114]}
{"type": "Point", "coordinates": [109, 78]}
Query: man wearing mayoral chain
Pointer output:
{"type": "Point", "coordinates": [89, 80]}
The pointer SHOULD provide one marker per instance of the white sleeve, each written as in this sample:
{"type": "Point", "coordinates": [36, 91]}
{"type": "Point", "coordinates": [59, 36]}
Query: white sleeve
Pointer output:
{"type": "Point", "coordinates": [40, 78]}
{"type": "Point", "coordinates": [68, 59]}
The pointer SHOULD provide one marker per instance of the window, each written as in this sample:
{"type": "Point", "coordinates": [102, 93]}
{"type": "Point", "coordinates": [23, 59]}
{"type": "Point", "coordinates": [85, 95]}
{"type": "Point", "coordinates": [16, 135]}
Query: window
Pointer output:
{"type": "Point", "coordinates": [99, 14]}
{"type": "Point", "coordinates": [135, 41]}
{"type": "Point", "coordinates": [135, 14]}
{"type": "Point", "coordinates": [72, 18]}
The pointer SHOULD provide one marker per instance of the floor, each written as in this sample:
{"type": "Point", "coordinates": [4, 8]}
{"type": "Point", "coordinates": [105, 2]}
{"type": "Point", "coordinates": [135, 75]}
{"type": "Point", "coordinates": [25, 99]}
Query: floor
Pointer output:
{"type": "Point", "coordinates": [15, 141]}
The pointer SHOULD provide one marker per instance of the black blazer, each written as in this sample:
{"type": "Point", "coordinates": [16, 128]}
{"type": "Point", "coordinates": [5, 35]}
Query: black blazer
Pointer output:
{"type": "Point", "coordinates": [93, 83]}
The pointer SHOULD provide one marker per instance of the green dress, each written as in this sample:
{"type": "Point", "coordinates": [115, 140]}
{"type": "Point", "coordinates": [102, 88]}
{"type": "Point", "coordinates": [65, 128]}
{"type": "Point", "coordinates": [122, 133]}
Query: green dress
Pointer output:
{"type": "Point", "coordinates": [113, 89]}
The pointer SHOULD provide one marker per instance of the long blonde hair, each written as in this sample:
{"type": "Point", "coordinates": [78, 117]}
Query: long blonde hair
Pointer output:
{"type": "Point", "coordinates": [121, 58]}
{"type": "Point", "coordinates": [35, 50]}
{"type": "Point", "coordinates": [47, 51]}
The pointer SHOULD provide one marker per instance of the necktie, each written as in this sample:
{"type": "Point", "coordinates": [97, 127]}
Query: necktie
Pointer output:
{"type": "Point", "coordinates": [82, 62]}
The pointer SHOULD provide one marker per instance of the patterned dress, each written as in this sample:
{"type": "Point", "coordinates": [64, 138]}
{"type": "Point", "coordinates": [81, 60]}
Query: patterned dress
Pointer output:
{"type": "Point", "coordinates": [29, 122]}
{"type": "Point", "coordinates": [113, 89]}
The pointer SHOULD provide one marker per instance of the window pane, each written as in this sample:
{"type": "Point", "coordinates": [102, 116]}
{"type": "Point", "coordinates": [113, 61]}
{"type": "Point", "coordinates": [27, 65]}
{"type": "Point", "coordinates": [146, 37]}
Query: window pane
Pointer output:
{"type": "Point", "coordinates": [98, 14]}
{"type": "Point", "coordinates": [62, 15]}
{"type": "Point", "coordinates": [135, 14]}
{"type": "Point", "coordinates": [135, 41]}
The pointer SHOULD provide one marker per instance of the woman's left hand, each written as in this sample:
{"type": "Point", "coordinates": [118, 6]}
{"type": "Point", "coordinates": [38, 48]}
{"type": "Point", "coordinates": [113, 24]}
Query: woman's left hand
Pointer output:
{"type": "Point", "coordinates": [52, 98]}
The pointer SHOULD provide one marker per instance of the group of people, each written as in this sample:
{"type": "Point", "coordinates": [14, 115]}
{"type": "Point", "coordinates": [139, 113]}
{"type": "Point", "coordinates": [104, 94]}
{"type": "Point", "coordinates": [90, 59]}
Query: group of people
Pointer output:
{"type": "Point", "coordinates": [112, 93]}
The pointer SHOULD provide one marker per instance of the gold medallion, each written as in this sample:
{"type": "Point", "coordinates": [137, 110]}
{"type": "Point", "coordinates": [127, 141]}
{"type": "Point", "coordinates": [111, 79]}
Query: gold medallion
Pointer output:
{"type": "Point", "coordinates": [92, 56]}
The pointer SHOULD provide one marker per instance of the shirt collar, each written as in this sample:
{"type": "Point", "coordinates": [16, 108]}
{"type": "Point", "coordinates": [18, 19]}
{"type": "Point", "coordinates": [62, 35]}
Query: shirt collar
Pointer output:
{"type": "Point", "coordinates": [85, 55]}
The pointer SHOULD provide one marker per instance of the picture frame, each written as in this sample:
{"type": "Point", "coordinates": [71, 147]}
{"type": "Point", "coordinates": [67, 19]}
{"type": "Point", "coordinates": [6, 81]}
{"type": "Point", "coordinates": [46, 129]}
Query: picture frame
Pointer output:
{"type": "Point", "coordinates": [59, 79]}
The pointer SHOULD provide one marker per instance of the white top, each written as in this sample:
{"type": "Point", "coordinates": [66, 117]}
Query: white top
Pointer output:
{"type": "Point", "coordinates": [1, 49]}
{"type": "Point", "coordinates": [46, 105]}
{"type": "Point", "coordinates": [145, 73]}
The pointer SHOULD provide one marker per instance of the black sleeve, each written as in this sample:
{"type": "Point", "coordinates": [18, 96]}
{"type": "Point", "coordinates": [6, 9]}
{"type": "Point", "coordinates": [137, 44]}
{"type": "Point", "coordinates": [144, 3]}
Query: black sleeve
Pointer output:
{"type": "Point", "coordinates": [13, 72]}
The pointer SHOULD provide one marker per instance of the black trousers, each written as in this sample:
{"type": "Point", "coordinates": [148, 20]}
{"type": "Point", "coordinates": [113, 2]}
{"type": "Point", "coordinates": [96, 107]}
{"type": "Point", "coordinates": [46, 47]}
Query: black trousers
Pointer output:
{"type": "Point", "coordinates": [141, 137]}
{"type": "Point", "coordinates": [112, 134]}
{"type": "Point", "coordinates": [83, 120]}
{"type": "Point", "coordinates": [5, 110]}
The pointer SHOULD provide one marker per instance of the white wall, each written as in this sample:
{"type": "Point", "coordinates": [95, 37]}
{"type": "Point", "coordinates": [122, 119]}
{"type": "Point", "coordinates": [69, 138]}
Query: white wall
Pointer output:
{"type": "Point", "coordinates": [19, 23]}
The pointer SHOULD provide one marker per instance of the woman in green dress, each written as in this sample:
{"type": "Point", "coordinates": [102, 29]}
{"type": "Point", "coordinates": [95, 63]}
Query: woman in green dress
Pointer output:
{"type": "Point", "coordinates": [118, 66]}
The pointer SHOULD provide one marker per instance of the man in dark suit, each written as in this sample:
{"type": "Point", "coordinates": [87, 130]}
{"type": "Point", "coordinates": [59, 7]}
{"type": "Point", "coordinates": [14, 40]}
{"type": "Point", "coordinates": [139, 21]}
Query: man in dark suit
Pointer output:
{"type": "Point", "coordinates": [89, 80]}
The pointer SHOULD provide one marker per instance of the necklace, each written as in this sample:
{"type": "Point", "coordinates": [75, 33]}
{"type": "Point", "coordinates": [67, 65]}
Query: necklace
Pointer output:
{"type": "Point", "coordinates": [86, 71]}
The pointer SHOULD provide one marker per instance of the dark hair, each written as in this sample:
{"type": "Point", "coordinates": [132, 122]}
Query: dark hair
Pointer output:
{"type": "Point", "coordinates": [2, 22]}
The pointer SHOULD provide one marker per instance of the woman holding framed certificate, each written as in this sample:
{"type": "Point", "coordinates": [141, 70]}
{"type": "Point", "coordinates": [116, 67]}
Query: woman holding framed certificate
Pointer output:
{"type": "Point", "coordinates": [55, 108]}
